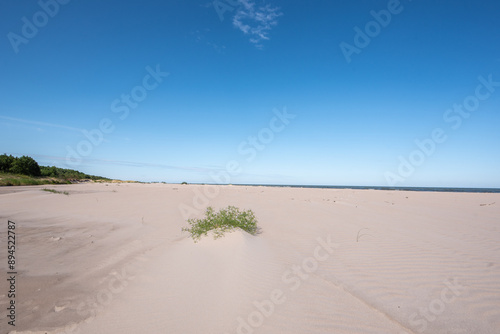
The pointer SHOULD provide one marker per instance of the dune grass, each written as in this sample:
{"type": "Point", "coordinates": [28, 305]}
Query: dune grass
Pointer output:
{"type": "Point", "coordinates": [55, 191]}
{"type": "Point", "coordinates": [10, 179]}
{"type": "Point", "coordinates": [225, 220]}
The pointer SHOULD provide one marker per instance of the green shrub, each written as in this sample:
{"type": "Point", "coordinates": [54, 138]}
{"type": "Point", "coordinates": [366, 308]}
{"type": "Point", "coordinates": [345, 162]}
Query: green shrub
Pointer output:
{"type": "Point", "coordinates": [223, 221]}
{"type": "Point", "coordinates": [6, 162]}
{"type": "Point", "coordinates": [49, 171]}
{"type": "Point", "coordinates": [25, 166]}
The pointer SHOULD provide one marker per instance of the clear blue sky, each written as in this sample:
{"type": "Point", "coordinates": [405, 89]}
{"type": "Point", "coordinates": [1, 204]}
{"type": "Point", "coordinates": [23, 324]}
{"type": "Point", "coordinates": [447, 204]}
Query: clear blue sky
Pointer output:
{"type": "Point", "coordinates": [360, 81]}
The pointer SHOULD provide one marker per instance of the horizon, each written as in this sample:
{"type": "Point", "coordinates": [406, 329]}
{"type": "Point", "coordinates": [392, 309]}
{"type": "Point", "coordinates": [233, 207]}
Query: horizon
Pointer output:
{"type": "Point", "coordinates": [389, 93]}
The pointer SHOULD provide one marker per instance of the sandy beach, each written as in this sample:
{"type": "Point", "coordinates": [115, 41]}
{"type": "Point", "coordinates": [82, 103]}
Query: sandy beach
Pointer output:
{"type": "Point", "coordinates": [111, 258]}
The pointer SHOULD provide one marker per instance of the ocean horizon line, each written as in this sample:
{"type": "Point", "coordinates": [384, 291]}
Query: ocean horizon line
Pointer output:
{"type": "Point", "coordinates": [403, 188]}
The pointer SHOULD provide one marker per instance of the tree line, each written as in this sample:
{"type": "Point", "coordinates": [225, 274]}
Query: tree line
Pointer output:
{"type": "Point", "coordinates": [28, 166]}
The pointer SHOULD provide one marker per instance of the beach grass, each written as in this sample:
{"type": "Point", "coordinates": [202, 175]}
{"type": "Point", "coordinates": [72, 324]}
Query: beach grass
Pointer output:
{"type": "Point", "coordinates": [9, 179]}
{"type": "Point", "coordinates": [220, 222]}
{"type": "Point", "coordinates": [55, 191]}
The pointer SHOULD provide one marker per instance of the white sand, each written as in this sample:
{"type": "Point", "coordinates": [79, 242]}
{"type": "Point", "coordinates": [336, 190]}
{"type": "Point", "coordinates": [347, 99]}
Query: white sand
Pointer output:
{"type": "Point", "coordinates": [112, 259]}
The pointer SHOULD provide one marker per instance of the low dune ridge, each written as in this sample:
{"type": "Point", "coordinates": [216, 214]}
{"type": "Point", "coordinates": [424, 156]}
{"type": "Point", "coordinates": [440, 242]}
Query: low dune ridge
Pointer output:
{"type": "Point", "coordinates": [111, 258]}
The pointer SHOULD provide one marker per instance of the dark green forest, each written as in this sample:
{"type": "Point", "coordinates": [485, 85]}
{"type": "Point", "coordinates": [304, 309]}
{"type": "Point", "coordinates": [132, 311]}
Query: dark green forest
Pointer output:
{"type": "Point", "coordinates": [30, 172]}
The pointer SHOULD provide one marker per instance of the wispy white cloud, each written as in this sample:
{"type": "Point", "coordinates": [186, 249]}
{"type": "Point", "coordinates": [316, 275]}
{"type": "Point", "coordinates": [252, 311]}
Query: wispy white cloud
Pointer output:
{"type": "Point", "coordinates": [200, 37]}
{"type": "Point", "coordinates": [26, 121]}
{"type": "Point", "coordinates": [256, 21]}
{"type": "Point", "coordinates": [60, 160]}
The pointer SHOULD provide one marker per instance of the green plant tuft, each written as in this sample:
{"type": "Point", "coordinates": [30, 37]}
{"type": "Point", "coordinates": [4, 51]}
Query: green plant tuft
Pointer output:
{"type": "Point", "coordinates": [55, 191]}
{"type": "Point", "coordinates": [223, 221]}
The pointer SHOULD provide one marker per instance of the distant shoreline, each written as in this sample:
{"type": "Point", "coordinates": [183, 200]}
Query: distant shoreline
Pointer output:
{"type": "Point", "coordinates": [429, 189]}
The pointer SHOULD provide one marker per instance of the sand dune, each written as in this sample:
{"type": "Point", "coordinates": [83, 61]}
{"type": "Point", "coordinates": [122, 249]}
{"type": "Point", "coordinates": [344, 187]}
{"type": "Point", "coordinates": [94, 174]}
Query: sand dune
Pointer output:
{"type": "Point", "coordinates": [112, 259]}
